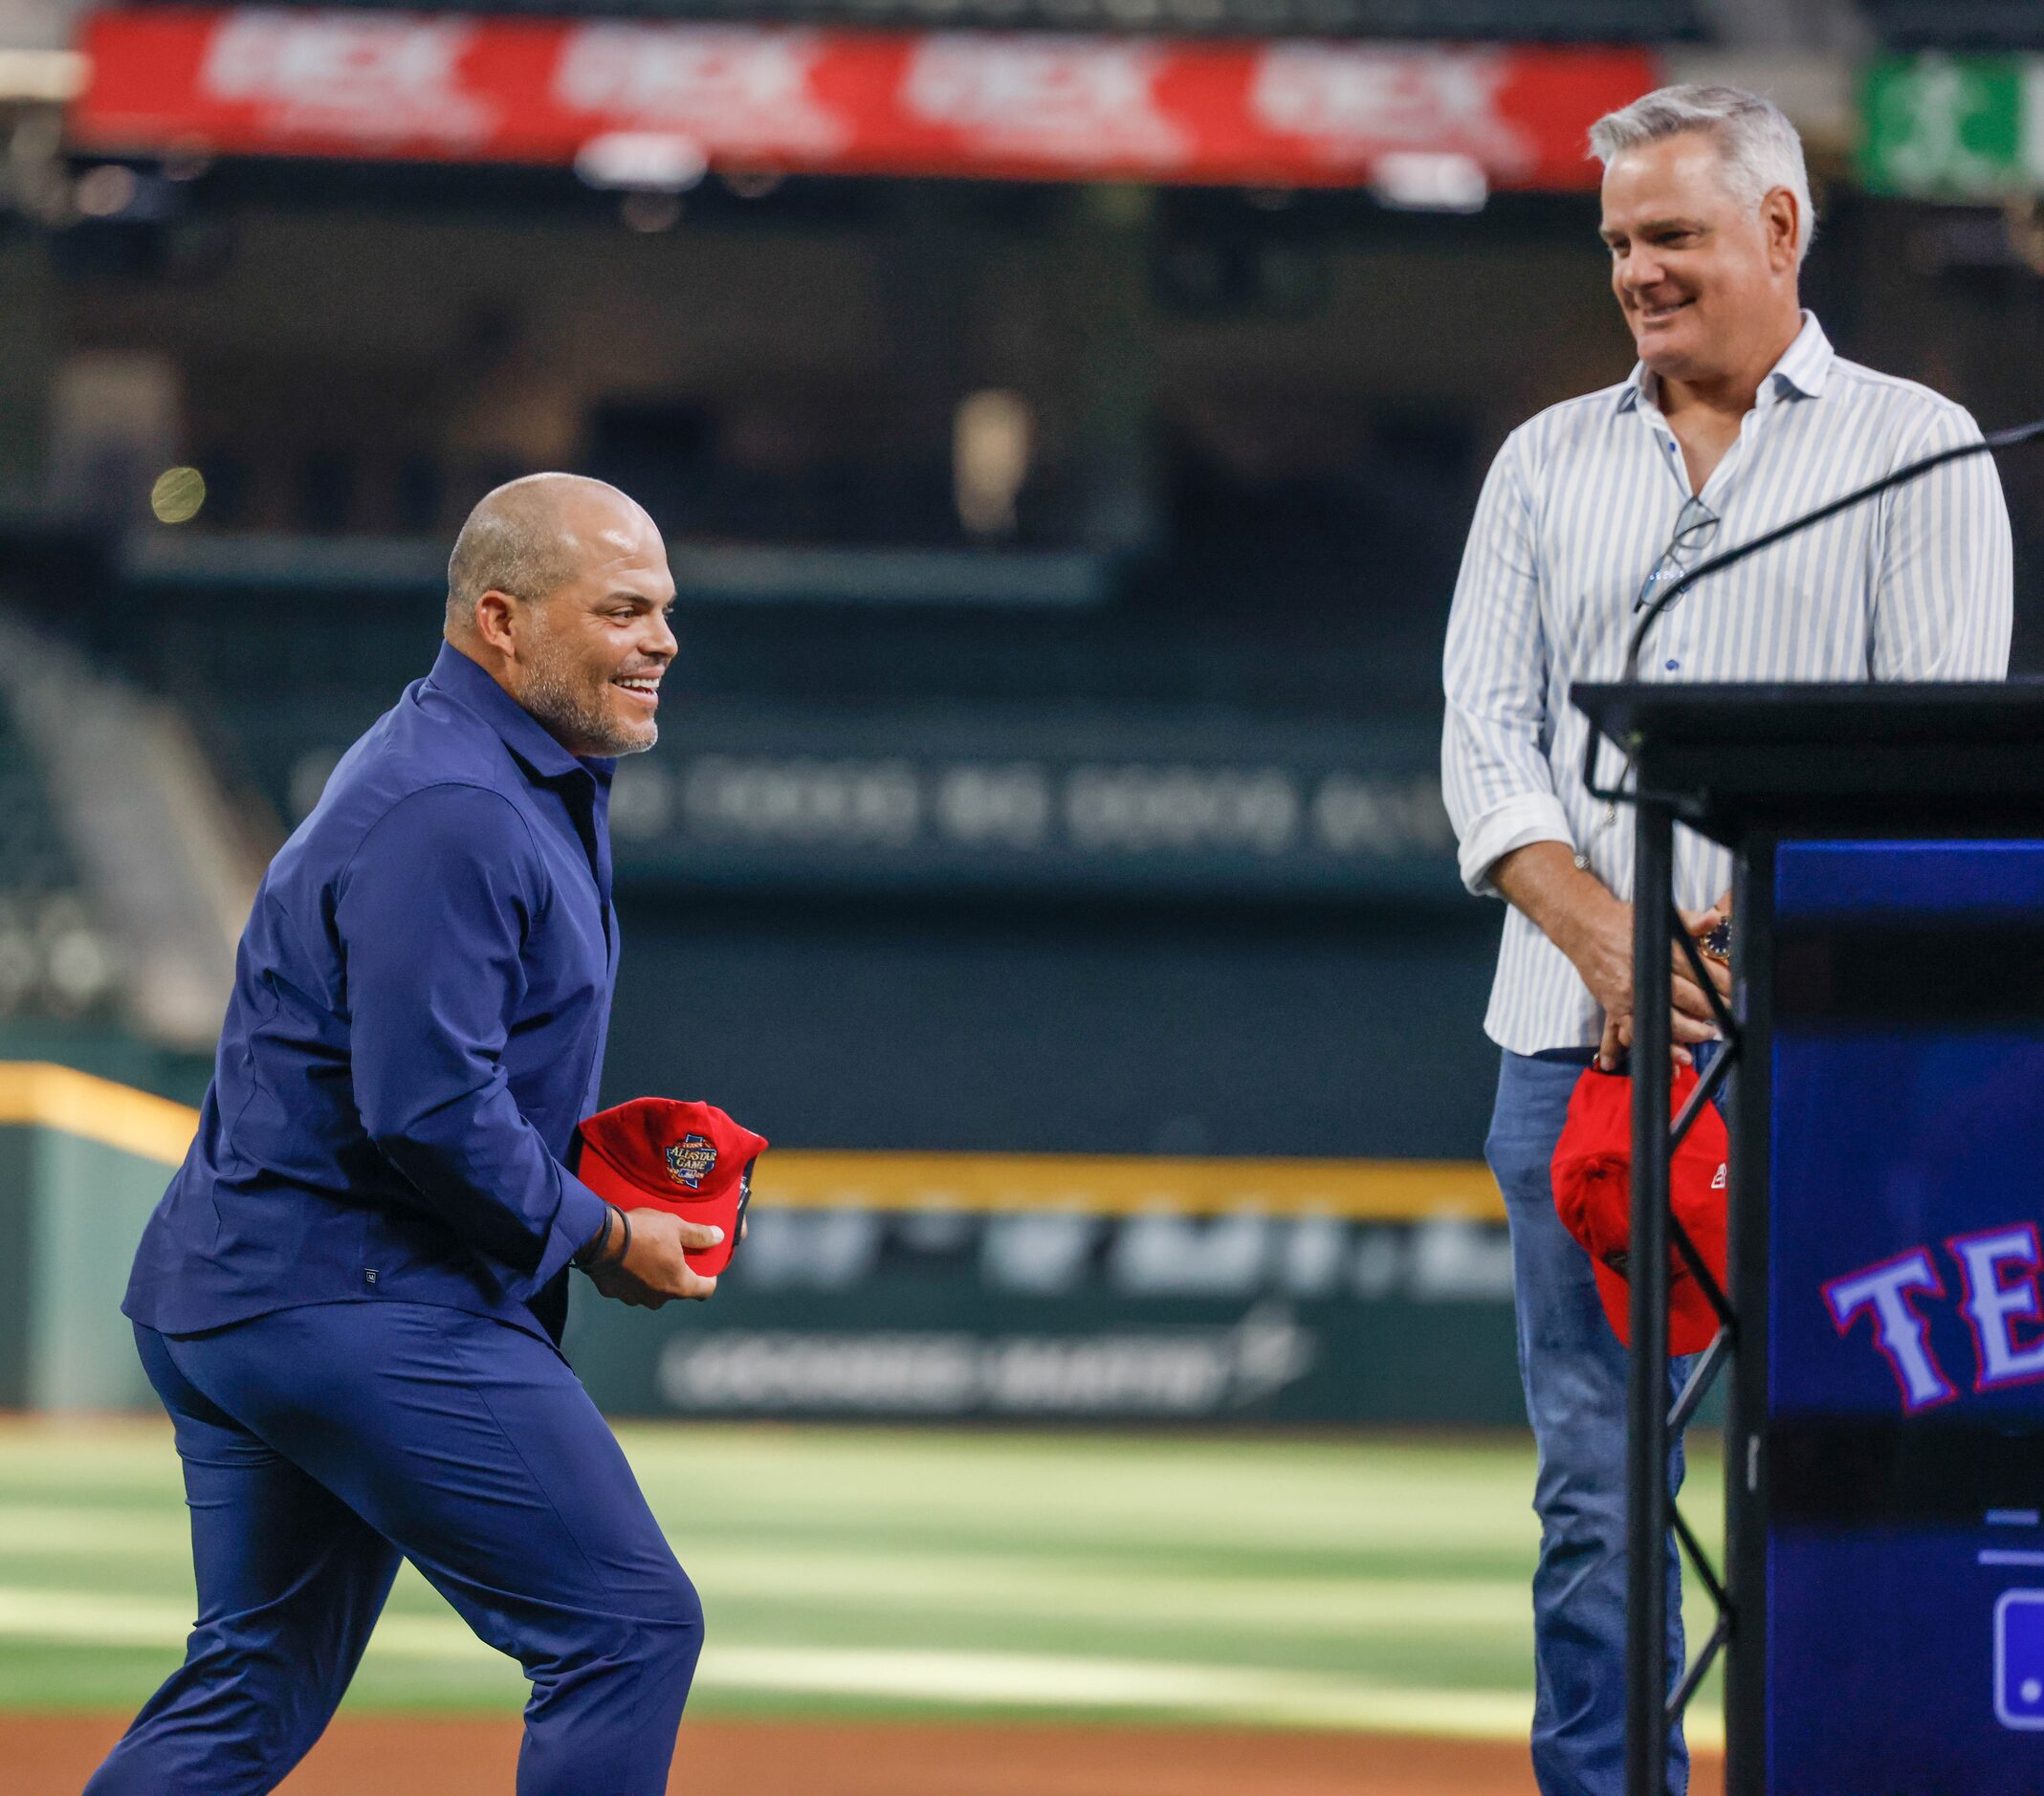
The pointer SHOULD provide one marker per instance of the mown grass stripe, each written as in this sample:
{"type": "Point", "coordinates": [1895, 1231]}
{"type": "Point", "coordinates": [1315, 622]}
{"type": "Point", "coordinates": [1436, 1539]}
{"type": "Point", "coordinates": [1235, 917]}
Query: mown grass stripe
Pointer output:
{"type": "Point", "coordinates": [837, 1562]}
{"type": "Point", "coordinates": [977, 1680]}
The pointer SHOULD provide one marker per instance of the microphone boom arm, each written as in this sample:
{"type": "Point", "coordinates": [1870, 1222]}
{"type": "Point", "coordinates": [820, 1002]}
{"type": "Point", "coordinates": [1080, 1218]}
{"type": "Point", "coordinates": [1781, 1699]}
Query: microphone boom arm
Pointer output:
{"type": "Point", "coordinates": [1873, 490]}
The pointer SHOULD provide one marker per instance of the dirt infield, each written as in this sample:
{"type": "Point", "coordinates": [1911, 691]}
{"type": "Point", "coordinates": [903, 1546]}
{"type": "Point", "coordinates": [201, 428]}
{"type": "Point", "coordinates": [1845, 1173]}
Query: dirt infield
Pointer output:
{"type": "Point", "coordinates": [49, 1754]}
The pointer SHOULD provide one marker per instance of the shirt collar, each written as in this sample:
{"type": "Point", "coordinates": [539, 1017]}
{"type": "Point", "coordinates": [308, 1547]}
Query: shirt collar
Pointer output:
{"type": "Point", "coordinates": [524, 734]}
{"type": "Point", "coordinates": [1804, 367]}
{"type": "Point", "coordinates": [1805, 364]}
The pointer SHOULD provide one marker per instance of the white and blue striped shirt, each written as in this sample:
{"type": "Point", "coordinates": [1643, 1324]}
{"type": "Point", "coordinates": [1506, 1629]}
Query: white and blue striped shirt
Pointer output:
{"type": "Point", "coordinates": [1577, 510]}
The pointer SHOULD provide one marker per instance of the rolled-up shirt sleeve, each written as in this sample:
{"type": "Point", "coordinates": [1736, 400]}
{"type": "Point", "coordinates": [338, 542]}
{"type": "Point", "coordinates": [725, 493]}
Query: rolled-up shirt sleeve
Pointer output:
{"type": "Point", "coordinates": [1494, 772]}
{"type": "Point", "coordinates": [1945, 603]}
{"type": "Point", "coordinates": [432, 911]}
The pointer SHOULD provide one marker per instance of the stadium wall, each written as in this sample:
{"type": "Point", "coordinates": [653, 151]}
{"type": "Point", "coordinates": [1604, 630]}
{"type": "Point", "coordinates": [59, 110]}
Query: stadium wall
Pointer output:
{"type": "Point", "coordinates": [83, 1162]}
{"type": "Point", "coordinates": [907, 1286]}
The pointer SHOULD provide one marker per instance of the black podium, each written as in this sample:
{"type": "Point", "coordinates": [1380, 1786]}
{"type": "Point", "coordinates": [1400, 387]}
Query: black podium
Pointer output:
{"type": "Point", "coordinates": [1881, 1602]}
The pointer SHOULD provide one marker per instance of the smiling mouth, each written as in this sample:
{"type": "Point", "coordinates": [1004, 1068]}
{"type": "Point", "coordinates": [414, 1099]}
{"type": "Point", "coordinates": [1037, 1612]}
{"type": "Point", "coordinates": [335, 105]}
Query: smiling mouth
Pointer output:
{"type": "Point", "coordinates": [1660, 314]}
{"type": "Point", "coordinates": [644, 687]}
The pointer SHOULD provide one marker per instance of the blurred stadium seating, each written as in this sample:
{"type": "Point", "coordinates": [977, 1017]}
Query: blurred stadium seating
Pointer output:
{"type": "Point", "coordinates": [1958, 25]}
{"type": "Point", "coordinates": [1044, 847]}
{"type": "Point", "coordinates": [52, 962]}
{"type": "Point", "coordinates": [1165, 690]}
{"type": "Point", "coordinates": [1062, 546]}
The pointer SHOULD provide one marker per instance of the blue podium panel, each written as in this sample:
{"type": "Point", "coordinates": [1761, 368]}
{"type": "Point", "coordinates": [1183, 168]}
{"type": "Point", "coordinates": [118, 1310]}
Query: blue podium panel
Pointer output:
{"type": "Point", "coordinates": [1905, 1351]}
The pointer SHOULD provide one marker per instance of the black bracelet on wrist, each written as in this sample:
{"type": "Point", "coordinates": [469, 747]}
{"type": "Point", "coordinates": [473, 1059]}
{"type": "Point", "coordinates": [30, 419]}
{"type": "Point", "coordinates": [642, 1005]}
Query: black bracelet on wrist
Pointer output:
{"type": "Point", "coordinates": [591, 1250]}
{"type": "Point", "coordinates": [623, 1247]}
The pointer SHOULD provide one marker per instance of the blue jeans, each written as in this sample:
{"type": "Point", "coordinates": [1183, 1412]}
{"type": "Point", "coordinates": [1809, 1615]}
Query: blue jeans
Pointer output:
{"type": "Point", "coordinates": [1574, 1373]}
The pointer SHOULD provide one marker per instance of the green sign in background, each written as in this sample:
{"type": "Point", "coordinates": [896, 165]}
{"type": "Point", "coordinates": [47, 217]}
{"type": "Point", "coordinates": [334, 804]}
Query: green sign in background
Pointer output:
{"type": "Point", "coordinates": [1953, 127]}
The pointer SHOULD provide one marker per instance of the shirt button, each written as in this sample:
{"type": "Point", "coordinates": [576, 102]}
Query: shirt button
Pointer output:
{"type": "Point", "coordinates": [1671, 666]}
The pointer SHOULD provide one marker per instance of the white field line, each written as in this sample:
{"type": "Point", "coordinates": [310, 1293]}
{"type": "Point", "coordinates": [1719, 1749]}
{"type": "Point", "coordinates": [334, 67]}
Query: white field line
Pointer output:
{"type": "Point", "coordinates": [1371, 1522]}
{"type": "Point", "coordinates": [1425, 1522]}
{"type": "Point", "coordinates": [995, 1584]}
{"type": "Point", "coordinates": [975, 1584]}
{"type": "Point", "coordinates": [53, 1531]}
{"type": "Point", "coordinates": [1038, 1680]}
{"type": "Point", "coordinates": [1252, 1694]}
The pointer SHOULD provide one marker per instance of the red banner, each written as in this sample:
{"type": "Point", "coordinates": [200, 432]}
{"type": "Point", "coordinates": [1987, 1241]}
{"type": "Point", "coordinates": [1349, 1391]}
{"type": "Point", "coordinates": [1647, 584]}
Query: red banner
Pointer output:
{"type": "Point", "coordinates": [443, 87]}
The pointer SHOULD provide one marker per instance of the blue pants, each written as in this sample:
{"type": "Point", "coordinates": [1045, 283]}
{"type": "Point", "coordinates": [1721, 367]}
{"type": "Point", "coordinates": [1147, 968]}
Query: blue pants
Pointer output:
{"type": "Point", "coordinates": [320, 1444]}
{"type": "Point", "coordinates": [1574, 1373]}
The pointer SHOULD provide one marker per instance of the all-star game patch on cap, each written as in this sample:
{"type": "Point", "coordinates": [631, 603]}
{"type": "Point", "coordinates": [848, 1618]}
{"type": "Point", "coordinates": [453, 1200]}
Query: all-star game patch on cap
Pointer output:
{"type": "Point", "coordinates": [1592, 1175]}
{"type": "Point", "coordinates": [663, 1154]}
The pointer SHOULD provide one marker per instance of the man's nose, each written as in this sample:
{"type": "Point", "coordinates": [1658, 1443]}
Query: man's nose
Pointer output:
{"type": "Point", "coordinates": [1639, 270]}
{"type": "Point", "coordinates": [661, 640]}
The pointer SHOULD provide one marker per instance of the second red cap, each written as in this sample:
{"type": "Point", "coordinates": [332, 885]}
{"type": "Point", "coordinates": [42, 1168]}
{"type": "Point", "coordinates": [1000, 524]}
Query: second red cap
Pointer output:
{"type": "Point", "coordinates": [1592, 1174]}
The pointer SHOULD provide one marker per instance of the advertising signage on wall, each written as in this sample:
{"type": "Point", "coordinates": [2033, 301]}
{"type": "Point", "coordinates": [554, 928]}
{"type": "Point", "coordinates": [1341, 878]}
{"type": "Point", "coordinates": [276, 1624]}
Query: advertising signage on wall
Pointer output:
{"type": "Point", "coordinates": [912, 1286]}
{"type": "Point", "coordinates": [1021, 1287]}
{"type": "Point", "coordinates": [1212, 827]}
{"type": "Point", "coordinates": [750, 796]}
{"type": "Point", "coordinates": [440, 87]}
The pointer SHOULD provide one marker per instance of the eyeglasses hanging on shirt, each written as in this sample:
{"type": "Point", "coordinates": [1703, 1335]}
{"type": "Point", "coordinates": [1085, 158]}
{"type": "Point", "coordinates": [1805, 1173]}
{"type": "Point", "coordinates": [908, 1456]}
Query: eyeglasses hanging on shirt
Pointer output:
{"type": "Point", "coordinates": [1695, 529]}
{"type": "Point", "coordinates": [1650, 604]}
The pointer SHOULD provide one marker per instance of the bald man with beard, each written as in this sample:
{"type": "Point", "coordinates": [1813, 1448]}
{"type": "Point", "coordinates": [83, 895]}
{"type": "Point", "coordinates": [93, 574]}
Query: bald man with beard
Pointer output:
{"type": "Point", "coordinates": [351, 1296]}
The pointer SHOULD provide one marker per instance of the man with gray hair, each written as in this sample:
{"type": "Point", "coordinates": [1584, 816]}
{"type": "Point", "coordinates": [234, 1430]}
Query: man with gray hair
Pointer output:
{"type": "Point", "coordinates": [1737, 417]}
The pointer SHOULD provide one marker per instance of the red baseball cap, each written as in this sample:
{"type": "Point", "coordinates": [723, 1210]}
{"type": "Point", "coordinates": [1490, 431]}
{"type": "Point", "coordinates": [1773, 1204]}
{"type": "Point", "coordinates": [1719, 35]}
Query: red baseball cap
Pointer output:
{"type": "Point", "coordinates": [1592, 1175]}
{"type": "Point", "coordinates": [656, 1153]}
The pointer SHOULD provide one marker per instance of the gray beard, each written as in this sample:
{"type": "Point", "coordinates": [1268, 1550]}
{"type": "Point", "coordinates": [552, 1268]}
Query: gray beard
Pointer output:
{"type": "Point", "coordinates": [572, 714]}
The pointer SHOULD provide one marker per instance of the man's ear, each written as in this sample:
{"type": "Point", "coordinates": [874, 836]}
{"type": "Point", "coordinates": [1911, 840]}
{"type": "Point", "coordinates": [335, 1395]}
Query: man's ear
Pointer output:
{"type": "Point", "coordinates": [1781, 217]}
{"type": "Point", "coordinates": [496, 620]}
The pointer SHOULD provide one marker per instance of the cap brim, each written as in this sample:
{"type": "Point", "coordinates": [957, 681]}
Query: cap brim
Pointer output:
{"type": "Point", "coordinates": [1692, 1324]}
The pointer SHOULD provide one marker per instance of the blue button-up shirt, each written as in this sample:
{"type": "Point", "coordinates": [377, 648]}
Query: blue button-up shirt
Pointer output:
{"type": "Point", "coordinates": [417, 1025]}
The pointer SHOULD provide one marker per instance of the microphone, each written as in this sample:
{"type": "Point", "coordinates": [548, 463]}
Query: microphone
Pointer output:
{"type": "Point", "coordinates": [1796, 526]}
{"type": "Point", "coordinates": [1873, 490]}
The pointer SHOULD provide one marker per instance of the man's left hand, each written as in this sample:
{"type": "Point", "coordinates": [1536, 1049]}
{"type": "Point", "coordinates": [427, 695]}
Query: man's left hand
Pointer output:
{"type": "Point", "coordinates": [1688, 998]}
{"type": "Point", "coordinates": [613, 1282]}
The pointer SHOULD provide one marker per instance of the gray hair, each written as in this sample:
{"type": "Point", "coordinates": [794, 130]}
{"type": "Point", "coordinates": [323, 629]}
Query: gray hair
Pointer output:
{"type": "Point", "coordinates": [1761, 150]}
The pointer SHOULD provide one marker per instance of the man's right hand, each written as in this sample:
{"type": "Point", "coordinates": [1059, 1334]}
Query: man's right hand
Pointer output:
{"type": "Point", "coordinates": [1579, 915]}
{"type": "Point", "coordinates": [653, 1269]}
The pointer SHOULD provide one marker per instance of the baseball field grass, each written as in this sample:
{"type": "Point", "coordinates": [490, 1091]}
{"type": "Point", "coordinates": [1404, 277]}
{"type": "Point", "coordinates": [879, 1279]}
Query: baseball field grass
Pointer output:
{"type": "Point", "coordinates": [1364, 1584]}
